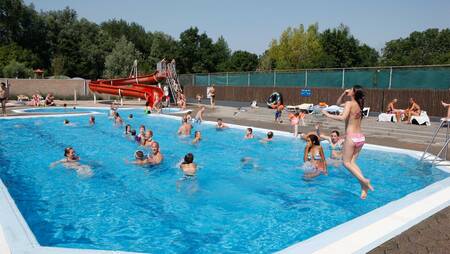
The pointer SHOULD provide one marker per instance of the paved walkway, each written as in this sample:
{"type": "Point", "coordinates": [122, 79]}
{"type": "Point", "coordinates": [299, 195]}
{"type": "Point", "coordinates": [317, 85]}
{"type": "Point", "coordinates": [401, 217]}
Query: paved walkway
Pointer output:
{"type": "Point", "coordinates": [430, 236]}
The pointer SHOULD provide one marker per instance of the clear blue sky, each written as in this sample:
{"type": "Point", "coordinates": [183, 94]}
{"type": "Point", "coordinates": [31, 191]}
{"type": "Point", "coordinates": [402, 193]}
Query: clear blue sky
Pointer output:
{"type": "Point", "coordinates": [251, 24]}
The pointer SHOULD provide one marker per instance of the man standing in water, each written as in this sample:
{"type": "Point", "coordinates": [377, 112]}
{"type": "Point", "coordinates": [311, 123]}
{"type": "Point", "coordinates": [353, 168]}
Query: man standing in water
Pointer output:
{"type": "Point", "coordinates": [155, 157]}
{"type": "Point", "coordinates": [354, 139]}
{"type": "Point", "coordinates": [4, 94]}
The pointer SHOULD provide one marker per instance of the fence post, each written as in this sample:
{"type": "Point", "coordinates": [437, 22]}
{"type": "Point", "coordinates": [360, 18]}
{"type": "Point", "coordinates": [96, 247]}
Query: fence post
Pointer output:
{"type": "Point", "coordinates": [193, 79]}
{"type": "Point", "coordinates": [209, 79]}
{"type": "Point", "coordinates": [343, 78]}
{"type": "Point", "coordinates": [248, 79]}
{"type": "Point", "coordinates": [95, 99]}
{"type": "Point", "coordinates": [306, 78]}
{"type": "Point", "coordinates": [390, 78]}
{"type": "Point", "coordinates": [274, 78]}
{"type": "Point", "coordinates": [227, 78]}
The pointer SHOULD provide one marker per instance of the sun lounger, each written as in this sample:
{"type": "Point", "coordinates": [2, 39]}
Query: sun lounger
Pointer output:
{"type": "Point", "coordinates": [423, 119]}
{"type": "Point", "coordinates": [304, 106]}
{"type": "Point", "coordinates": [334, 109]}
{"type": "Point", "coordinates": [385, 117]}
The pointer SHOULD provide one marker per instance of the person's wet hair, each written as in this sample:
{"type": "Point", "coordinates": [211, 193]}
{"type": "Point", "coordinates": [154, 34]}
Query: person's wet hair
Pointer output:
{"type": "Point", "coordinates": [130, 116]}
{"type": "Point", "coordinates": [337, 132]}
{"type": "Point", "coordinates": [270, 134]}
{"type": "Point", "coordinates": [359, 97]}
{"type": "Point", "coordinates": [67, 150]}
{"type": "Point", "coordinates": [66, 121]}
{"type": "Point", "coordinates": [219, 119]}
{"type": "Point", "coordinates": [250, 130]}
{"type": "Point", "coordinates": [139, 154]}
{"type": "Point", "coordinates": [133, 132]}
{"type": "Point", "coordinates": [3, 84]}
{"type": "Point", "coordinates": [188, 158]}
{"type": "Point", "coordinates": [314, 139]}
{"type": "Point", "coordinates": [126, 127]}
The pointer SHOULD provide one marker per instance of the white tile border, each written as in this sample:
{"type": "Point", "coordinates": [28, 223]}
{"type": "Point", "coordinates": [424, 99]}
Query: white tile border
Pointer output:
{"type": "Point", "coordinates": [358, 235]}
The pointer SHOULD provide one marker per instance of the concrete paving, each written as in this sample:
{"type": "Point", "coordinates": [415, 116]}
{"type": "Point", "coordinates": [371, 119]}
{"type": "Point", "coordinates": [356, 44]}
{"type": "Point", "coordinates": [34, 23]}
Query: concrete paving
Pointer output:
{"type": "Point", "coordinates": [430, 236]}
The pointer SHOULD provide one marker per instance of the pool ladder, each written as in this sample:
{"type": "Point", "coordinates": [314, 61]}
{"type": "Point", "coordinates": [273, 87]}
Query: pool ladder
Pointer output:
{"type": "Point", "coordinates": [439, 158]}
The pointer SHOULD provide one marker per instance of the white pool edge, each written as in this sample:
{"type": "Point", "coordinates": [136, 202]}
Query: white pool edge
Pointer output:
{"type": "Point", "coordinates": [358, 235]}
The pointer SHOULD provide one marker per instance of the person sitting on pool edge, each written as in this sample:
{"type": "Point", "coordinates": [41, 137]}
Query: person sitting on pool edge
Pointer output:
{"type": "Point", "coordinates": [156, 156]}
{"type": "Point", "coordinates": [188, 166]}
{"type": "Point", "coordinates": [249, 133]}
{"type": "Point", "coordinates": [199, 115]}
{"type": "Point", "coordinates": [197, 137]}
{"type": "Point", "coordinates": [185, 128]}
{"type": "Point", "coordinates": [314, 158]}
{"type": "Point", "coordinates": [220, 124]}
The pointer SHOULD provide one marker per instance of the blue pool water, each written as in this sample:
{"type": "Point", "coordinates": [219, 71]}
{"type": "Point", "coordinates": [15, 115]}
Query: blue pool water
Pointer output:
{"type": "Point", "coordinates": [259, 206]}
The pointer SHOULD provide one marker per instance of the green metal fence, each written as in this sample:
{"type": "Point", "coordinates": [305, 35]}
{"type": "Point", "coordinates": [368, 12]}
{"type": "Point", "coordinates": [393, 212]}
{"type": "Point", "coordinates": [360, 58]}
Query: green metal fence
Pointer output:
{"type": "Point", "coordinates": [432, 77]}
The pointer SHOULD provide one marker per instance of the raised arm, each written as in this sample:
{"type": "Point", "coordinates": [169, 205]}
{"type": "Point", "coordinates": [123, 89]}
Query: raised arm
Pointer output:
{"type": "Point", "coordinates": [341, 117]}
{"type": "Point", "coordinates": [339, 100]}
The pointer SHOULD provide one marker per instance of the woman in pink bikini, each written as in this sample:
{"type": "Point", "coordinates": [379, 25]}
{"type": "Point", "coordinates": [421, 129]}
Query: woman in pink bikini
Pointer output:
{"type": "Point", "coordinates": [354, 139]}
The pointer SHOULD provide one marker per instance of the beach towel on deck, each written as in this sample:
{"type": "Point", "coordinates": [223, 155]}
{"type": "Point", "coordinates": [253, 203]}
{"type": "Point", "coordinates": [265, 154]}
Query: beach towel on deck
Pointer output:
{"type": "Point", "coordinates": [423, 119]}
{"type": "Point", "coordinates": [385, 117]}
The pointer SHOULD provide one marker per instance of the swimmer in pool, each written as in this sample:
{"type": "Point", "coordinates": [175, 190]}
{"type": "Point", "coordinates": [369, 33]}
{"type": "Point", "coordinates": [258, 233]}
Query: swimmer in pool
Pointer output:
{"type": "Point", "coordinates": [141, 136]}
{"type": "Point", "coordinates": [185, 128]}
{"type": "Point", "coordinates": [117, 119]}
{"type": "Point", "coordinates": [133, 134]}
{"type": "Point", "coordinates": [147, 141]}
{"type": "Point", "coordinates": [140, 158]}
{"type": "Point", "coordinates": [314, 158]}
{"type": "Point", "coordinates": [220, 124]}
{"type": "Point", "coordinates": [68, 123]}
{"type": "Point", "coordinates": [188, 166]}
{"type": "Point", "coordinates": [156, 156]}
{"type": "Point", "coordinates": [127, 131]}
{"type": "Point", "coordinates": [336, 143]}
{"type": "Point", "coordinates": [197, 137]}
{"type": "Point", "coordinates": [71, 161]}
{"type": "Point", "coordinates": [91, 120]}
{"type": "Point", "coordinates": [268, 138]}
{"type": "Point", "coordinates": [130, 116]}
{"type": "Point", "coordinates": [249, 133]}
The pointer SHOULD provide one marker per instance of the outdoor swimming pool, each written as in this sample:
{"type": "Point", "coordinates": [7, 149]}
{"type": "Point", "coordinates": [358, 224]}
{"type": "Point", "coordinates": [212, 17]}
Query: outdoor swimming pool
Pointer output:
{"type": "Point", "coordinates": [260, 205]}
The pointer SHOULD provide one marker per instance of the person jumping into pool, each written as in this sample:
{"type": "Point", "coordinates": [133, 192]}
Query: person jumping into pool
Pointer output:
{"type": "Point", "coordinates": [314, 158]}
{"type": "Point", "coordinates": [156, 156]}
{"type": "Point", "coordinates": [336, 143]}
{"type": "Point", "coordinates": [185, 128]}
{"type": "Point", "coordinates": [354, 139]}
{"type": "Point", "coordinates": [220, 124]}
{"type": "Point", "coordinates": [199, 115]}
{"type": "Point", "coordinates": [197, 137]}
{"type": "Point", "coordinates": [249, 134]}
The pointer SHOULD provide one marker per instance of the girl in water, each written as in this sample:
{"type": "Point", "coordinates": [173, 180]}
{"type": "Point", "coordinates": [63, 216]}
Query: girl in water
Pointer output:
{"type": "Point", "coordinates": [71, 161]}
{"type": "Point", "coordinates": [197, 137]}
{"type": "Point", "coordinates": [314, 158]}
{"type": "Point", "coordinates": [354, 139]}
{"type": "Point", "coordinates": [336, 144]}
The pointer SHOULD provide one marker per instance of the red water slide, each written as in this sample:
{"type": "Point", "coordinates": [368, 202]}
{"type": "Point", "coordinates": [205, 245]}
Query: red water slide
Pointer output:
{"type": "Point", "coordinates": [143, 87]}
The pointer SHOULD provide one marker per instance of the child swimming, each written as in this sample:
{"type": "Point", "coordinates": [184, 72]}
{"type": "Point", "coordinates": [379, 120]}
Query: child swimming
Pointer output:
{"type": "Point", "coordinates": [249, 133]}
{"type": "Point", "coordinates": [197, 137]}
{"type": "Point", "coordinates": [188, 166]}
{"type": "Point", "coordinates": [314, 158]}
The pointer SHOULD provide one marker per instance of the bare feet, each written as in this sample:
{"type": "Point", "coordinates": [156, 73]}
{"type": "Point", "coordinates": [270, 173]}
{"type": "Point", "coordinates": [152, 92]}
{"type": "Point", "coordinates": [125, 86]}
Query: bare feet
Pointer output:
{"type": "Point", "coordinates": [365, 187]}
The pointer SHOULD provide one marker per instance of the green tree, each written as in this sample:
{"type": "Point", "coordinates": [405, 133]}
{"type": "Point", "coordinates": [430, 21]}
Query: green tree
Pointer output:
{"type": "Point", "coordinates": [242, 61]}
{"type": "Point", "coordinates": [118, 63]}
{"type": "Point", "coordinates": [163, 46]}
{"type": "Point", "coordinates": [15, 52]}
{"type": "Point", "coordinates": [343, 50]}
{"type": "Point", "coordinates": [222, 54]}
{"type": "Point", "coordinates": [17, 70]}
{"type": "Point", "coordinates": [296, 48]}
{"type": "Point", "coordinates": [431, 46]}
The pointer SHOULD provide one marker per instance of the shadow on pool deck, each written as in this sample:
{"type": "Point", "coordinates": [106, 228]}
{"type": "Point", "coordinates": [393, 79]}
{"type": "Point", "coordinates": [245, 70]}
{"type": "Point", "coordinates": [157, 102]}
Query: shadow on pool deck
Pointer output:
{"type": "Point", "coordinates": [432, 235]}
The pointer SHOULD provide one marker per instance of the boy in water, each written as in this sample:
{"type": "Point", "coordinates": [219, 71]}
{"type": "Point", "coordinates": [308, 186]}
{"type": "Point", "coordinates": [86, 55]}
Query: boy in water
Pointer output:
{"type": "Point", "coordinates": [220, 124]}
{"type": "Point", "coordinates": [140, 158]}
{"type": "Point", "coordinates": [269, 137]}
{"type": "Point", "coordinates": [249, 133]}
{"type": "Point", "coordinates": [188, 166]}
